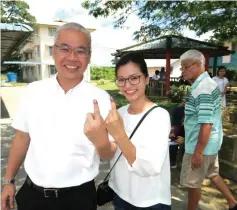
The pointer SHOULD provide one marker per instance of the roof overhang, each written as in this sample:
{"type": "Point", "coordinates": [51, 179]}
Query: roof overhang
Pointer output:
{"type": "Point", "coordinates": [12, 36]}
{"type": "Point", "coordinates": [176, 45]}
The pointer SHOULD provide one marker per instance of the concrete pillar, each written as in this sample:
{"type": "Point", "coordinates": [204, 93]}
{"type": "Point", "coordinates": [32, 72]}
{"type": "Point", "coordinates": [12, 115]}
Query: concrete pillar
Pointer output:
{"type": "Point", "coordinates": [87, 73]}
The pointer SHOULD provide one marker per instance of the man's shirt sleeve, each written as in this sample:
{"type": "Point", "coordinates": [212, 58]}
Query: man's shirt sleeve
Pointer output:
{"type": "Point", "coordinates": [205, 108]}
{"type": "Point", "coordinates": [20, 119]}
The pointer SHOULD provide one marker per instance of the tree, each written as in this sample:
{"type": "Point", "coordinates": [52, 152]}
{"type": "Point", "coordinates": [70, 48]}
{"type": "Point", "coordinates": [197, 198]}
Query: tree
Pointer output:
{"type": "Point", "coordinates": [16, 12]}
{"type": "Point", "coordinates": [172, 17]}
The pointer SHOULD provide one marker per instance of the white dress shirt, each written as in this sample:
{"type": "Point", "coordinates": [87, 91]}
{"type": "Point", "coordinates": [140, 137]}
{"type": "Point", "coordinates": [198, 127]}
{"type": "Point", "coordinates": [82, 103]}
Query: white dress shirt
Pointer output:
{"type": "Point", "coordinates": [147, 181]}
{"type": "Point", "coordinates": [59, 154]}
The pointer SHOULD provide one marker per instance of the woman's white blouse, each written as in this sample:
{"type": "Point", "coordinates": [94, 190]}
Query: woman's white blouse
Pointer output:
{"type": "Point", "coordinates": [147, 181]}
{"type": "Point", "coordinates": [221, 82]}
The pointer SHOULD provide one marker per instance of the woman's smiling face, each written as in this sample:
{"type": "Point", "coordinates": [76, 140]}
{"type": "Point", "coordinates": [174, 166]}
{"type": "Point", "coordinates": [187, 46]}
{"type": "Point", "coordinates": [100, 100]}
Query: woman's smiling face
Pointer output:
{"type": "Point", "coordinates": [131, 81]}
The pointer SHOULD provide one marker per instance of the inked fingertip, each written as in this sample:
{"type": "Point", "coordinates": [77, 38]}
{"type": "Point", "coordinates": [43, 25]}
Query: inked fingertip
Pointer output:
{"type": "Point", "coordinates": [111, 98]}
{"type": "Point", "coordinates": [95, 101]}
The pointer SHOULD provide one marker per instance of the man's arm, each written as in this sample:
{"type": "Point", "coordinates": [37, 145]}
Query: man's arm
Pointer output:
{"type": "Point", "coordinates": [107, 150]}
{"type": "Point", "coordinates": [17, 153]}
{"type": "Point", "coordinates": [203, 138]}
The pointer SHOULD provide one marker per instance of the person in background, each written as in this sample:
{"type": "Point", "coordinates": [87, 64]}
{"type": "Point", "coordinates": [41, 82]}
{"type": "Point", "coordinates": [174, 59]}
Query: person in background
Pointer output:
{"type": "Point", "coordinates": [203, 131]}
{"type": "Point", "coordinates": [210, 74]}
{"type": "Point", "coordinates": [59, 133]}
{"type": "Point", "coordinates": [222, 83]}
{"type": "Point", "coordinates": [162, 74]}
{"type": "Point", "coordinates": [154, 81]}
{"type": "Point", "coordinates": [156, 75]}
{"type": "Point", "coordinates": [141, 177]}
{"type": "Point", "coordinates": [177, 134]}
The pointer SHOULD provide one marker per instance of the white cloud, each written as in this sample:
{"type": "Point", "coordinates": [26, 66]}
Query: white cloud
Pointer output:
{"type": "Point", "coordinates": [106, 39]}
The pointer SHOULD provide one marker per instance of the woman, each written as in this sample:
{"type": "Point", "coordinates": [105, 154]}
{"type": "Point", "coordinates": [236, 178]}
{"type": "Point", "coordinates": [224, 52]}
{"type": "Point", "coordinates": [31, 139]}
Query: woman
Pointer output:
{"type": "Point", "coordinates": [222, 83]}
{"type": "Point", "coordinates": [141, 177]}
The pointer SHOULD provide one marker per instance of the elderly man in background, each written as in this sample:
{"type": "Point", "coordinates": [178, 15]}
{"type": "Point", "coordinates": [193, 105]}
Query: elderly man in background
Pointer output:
{"type": "Point", "coordinates": [203, 131]}
{"type": "Point", "coordinates": [59, 133]}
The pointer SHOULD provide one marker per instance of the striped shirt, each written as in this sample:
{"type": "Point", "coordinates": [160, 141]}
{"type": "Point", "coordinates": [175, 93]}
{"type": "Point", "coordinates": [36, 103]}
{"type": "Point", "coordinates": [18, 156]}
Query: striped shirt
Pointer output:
{"type": "Point", "coordinates": [203, 106]}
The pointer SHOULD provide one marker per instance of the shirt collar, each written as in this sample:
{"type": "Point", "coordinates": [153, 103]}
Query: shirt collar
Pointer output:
{"type": "Point", "coordinates": [199, 79]}
{"type": "Point", "coordinates": [60, 88]}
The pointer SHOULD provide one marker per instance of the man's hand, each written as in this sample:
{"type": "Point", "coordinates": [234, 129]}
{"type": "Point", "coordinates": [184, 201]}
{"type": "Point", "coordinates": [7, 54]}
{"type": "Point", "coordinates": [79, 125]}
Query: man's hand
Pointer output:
{"type": "Point", "coordinates": [94, 127]}
{"type": "Point", "coordinates": [8, 194]}
{"type": "Point", "coordinates": [114, 123]}
{"type": "Point", "coordinates": [197, 160]}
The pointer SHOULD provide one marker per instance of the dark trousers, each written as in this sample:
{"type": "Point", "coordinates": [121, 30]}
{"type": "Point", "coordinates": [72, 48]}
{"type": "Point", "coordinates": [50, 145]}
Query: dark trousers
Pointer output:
{"type": "Point", "coordinates": [173, 154]}
{"type": "Point", "coordinates": [120, 204]}
{"type": "Point", "coordinates": [81, 197]}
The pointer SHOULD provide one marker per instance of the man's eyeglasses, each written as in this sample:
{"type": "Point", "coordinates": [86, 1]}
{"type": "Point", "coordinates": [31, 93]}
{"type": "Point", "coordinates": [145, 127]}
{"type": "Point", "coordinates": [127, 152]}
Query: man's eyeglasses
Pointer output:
{"type": "Point", "coordinates": [133, 80]}
{"type": "Point", "coordinates": [66, 50]}
{"type": "Point", "coordinates": [186, 67]}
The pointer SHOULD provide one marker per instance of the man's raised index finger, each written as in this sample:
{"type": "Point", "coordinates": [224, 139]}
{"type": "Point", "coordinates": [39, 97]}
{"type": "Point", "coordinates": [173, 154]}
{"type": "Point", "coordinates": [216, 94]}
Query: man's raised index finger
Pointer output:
{"type": "Point", "coordinates": [96, 108]}
{"type": "Point", "coordinates": [113, 104]}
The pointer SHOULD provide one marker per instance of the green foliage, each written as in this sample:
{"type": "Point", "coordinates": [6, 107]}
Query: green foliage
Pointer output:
{"type": "Point", "coordinates": [171, 17]}
{"type": "Point", "coordinates": [16, 12]}
{"type": "Point", "coordinates": [231, 76]}
{"type": "Point", "coordinates": [106, 73]}
{"type": "Point", "coordinates": [177, 94]}
{"type": "Point", "coordinates": [101, 82]}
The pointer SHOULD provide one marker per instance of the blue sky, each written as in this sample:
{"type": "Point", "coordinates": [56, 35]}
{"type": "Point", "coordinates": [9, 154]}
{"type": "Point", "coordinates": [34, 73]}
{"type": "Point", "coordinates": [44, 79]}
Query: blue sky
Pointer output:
{"type": "Point", "coordinates": [105, 40]}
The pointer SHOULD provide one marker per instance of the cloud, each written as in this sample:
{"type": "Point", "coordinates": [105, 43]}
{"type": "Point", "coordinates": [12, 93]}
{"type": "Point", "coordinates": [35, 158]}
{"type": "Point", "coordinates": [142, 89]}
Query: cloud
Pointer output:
{"type": "Point", "coordinates": [106, 39]}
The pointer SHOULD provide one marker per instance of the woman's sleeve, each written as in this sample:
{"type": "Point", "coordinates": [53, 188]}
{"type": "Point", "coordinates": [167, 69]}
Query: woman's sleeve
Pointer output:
{"type": "Point", "coordinates": [151, 155]}
{"type": "Point", "coordinates": [226, 82]}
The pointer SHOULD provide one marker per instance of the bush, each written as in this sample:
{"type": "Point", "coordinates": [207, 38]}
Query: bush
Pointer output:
{"type": "Point", "coordinates": [106, 73]}
{"type": "Point", "coordinates": [178, 94]}
{"type": "Point", "coordinates": [227, 112]}
{"type": "Point", "coordinates": [100, 82]}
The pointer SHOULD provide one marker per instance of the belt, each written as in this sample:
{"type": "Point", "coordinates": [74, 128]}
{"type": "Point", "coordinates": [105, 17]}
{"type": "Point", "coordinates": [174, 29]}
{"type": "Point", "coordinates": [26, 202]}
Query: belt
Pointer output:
{"type": "Point", "coordinates": [48, 192]}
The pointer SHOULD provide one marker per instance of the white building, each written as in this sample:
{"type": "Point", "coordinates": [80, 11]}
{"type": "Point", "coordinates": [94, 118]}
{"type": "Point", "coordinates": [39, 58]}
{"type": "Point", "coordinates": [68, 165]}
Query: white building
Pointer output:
{"type": "Point", "coordinates": [37, 51]}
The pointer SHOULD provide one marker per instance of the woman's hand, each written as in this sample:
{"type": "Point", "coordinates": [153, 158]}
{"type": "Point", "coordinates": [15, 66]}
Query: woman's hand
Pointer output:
{"type": "Point", "coordinates": [180, 140]}
{"type": "Point", "coordinates": [114, 123]}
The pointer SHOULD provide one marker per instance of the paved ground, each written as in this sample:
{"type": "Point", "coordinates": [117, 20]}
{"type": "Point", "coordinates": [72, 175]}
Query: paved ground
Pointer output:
{"type": "Point", "coordinates": [211, 198]}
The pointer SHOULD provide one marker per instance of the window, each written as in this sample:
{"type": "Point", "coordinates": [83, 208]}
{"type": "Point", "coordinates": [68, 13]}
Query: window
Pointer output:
{"type": "Point", "coordinates": [38, 51]}
{"type": "Point", "coordinates": [52, 31]}
{"type": "Point", "coordinates": [28, 56]}
{"type": "Point", "coordinates": [52, 70]}
{"type": "Point", "coordinates": [50, 51]}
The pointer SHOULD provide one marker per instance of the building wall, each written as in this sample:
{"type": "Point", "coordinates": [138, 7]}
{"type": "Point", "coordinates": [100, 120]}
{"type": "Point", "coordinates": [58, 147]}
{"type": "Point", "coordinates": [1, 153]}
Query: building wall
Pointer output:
{"type": "Point", "coordinates": [229, 61]}
{"type": "Point", "coordinates": [46, 41]}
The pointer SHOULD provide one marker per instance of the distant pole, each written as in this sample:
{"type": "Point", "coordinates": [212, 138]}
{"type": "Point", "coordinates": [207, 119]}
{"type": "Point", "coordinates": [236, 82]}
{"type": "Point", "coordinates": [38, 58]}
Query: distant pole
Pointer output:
{"type": "Point", "coordinates": [207, 57]}
{"type": "Point", "coordinates": [167, 71]}
{"type": "Point", "coordinates": [214, 65]}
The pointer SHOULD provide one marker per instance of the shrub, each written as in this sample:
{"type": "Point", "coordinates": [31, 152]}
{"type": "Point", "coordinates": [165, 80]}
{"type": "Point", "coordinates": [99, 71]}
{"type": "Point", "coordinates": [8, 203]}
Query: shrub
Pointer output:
{"type": "Point", "coordinates": [106, 73]}
{"type": "Point", "coordinates": [178, 94]}
{"type": "Point", "coordinates": [100, 82]}
{"type": "Point", "coordinates": [227, 112]}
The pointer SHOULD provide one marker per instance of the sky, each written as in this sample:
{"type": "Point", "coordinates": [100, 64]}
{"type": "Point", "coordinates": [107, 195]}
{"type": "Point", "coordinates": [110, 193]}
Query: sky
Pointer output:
{"type": "Point", "coordinates": [105, 39]}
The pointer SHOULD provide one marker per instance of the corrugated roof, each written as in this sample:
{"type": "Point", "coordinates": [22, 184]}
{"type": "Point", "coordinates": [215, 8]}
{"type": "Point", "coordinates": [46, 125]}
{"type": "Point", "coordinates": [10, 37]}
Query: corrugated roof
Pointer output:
{"type": "Point", "coordinates": [15, 27]}
{"type": "Point", "coordinates": [12, 35]}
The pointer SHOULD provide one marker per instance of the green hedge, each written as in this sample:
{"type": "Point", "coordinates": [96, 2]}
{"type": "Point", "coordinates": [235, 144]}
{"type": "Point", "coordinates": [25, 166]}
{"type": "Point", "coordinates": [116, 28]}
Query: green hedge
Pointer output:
{"type": "Point", "coordinates": [106, 73]}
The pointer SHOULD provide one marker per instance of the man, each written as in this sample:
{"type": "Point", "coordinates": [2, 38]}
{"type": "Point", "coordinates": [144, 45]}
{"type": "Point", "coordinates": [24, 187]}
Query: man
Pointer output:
{"type": "Point", "coordinates": [61, 162]}
{"type": "Point", "coordinates": [203, 131]}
